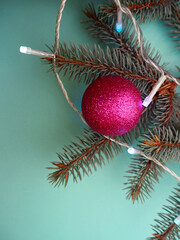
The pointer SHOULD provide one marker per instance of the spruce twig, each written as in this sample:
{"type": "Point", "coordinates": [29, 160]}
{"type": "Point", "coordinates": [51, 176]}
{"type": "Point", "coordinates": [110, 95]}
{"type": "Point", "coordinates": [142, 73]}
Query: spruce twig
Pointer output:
{"type": "Point", "coordinates": [144, 10]}
{"type": "Point", "coordinates": [173, 22]}
{"type": "Point", "coordinates": [167, 10]}
{"type": "Point", "coordinates": [81, 62]}
{"type": "Point", "coordinates": [165, 228]}
{"type": "Point", "coordinates": [87, 152]}
{"type": "Point", "coordinates": [103, 28]}
{"type": "Point", "coordinates": [162, 143]}
{"type": "Point", "coordinates": [174, 119]}
{"type": "Point", "coordinates": [142, 176]}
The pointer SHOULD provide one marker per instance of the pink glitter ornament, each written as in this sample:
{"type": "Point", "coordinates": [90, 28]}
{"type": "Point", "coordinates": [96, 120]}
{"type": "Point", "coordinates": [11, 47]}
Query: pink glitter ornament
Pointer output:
{"type": "Point", "coordinates": [112, 105]}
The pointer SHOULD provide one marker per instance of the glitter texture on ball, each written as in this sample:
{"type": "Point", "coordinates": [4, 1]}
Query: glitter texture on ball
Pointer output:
{"type": "Point", "coordinates": [112, 105]}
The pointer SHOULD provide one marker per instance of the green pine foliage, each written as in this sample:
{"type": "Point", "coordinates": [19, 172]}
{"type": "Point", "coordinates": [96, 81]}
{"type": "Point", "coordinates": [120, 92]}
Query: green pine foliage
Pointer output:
{"type": "Point", "coordinates": [141, 178]}
{"type": "Point", "coordinates": [174, 119]}
{"type": "Point", "coordinates": [173, 22]}
{"type": "Point", "coordinates": [162, 143]}
{"type": "Point", "coordinates": [103, 28]}
{"type": "Point", "coordinates": [81, 156]}
{"type": "Point", "coordinates": [84, 64]}
{"type": "Point", "coordinates": [145, 11]}
{"type": "Point", "coordinates": [166, 228]}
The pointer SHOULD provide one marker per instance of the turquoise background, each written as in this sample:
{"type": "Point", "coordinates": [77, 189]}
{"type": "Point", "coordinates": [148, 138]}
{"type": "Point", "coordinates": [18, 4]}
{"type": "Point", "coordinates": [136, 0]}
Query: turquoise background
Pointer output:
{"type": "Point", "coordinates": [35, 123]}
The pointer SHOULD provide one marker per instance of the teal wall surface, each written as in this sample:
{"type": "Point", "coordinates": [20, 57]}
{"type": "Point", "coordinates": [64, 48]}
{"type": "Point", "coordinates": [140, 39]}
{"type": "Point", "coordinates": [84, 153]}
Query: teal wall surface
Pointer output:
{"type": "Point", "coordinates": [35, 123]}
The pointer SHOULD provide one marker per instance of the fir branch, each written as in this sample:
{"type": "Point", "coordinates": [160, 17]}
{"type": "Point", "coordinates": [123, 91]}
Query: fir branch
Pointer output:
{"type": "Point", "coordinates": [162, 143]}
{"type": "Point", "coordinates": [173, 22]}
{"type": "Point", "coordinates": [158, 112]}
{"type": "Point", "coordinates": [87, 152]}
{"type": "Point", "coordinates": [167, 10]}
{"type": "Point", "coordinates": [137, 5]}
{"type": "Point", "coordinates": [103, 28]}
{"type": "Point", "coordinates": [154, 115]}
{"type": "Point", "coordinates": [142, 176]}
{"type": "Point", "coordinates": [84, 64]}
{"type": "Point", "coordinates": [167, 91]}
{"type": "Point", "coordinates": [165, 227]}
{"type": "Point", "coordinates": [174, 119]}
{"type": "Point", "coordinates": [144, 11]}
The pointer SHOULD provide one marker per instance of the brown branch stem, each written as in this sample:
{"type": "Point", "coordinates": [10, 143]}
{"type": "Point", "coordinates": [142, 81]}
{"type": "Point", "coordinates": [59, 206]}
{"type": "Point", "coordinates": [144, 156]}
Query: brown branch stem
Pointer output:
{"type": "Point", "coordinates": [139, 184]}
{"type": "Point", "coordinates": [139, 6]}
{"type": "Point", "coordinates": [159, 144]}
{"type": "Point", "coordinates": [64, 168]}
{"type": "Point", "coordinates": [165, 234]}
{"type": "Point", "coordinates": [93, 65]}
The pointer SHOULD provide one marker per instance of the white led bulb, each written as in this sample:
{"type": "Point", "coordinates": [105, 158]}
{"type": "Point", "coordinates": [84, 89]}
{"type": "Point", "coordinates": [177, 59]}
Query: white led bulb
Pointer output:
{"type": "Point", "coordinates": [119, 21]}
{"type": "Point", "coordinates": [28, 50]}
{"type": "Point", "coordinates": [177, 220]}
{"type": "Point", "coordinates": [131, 150]}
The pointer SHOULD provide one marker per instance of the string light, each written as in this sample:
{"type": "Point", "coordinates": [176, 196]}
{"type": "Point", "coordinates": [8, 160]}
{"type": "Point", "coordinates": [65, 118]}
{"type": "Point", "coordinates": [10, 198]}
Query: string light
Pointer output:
{"type": "Point", "coordinates": [28, 50]}
{"type": "Point", "coordinates": [149, 98]}
{"type": "Point", "coordinates": [132, 150]}
{"type": "Point", "coordinates": [25, 50]}
{"type": "Point", "coordinates": [177, 220]}
{"type": "Point", "coordinates": [119, 21]}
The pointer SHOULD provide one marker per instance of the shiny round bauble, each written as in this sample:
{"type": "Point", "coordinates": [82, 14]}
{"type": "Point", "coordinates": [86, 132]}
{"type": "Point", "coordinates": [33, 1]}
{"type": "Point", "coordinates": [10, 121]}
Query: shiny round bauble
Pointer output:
{"type": "Point", "coordinates": [112, 105]}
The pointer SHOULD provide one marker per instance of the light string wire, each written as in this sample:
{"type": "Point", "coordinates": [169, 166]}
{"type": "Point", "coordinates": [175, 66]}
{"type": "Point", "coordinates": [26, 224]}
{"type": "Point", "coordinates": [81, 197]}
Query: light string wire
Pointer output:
{"type": "Point", "coordinates": [56, 45]}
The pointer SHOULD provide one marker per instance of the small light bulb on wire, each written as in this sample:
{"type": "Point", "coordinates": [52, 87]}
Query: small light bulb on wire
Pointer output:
{"type": "Point", "coordinates": [28, 50]}
{"type": "Point", "coordinates": [177, 220]}
{"type": "Point", "coordinates": [119, 27]}
{"type": "Point", "coordinates": [25, 50]}
{"type": "Point", "coordinates": [132, 150]}
{"type": "Point", "coordinates": [119, 21]}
